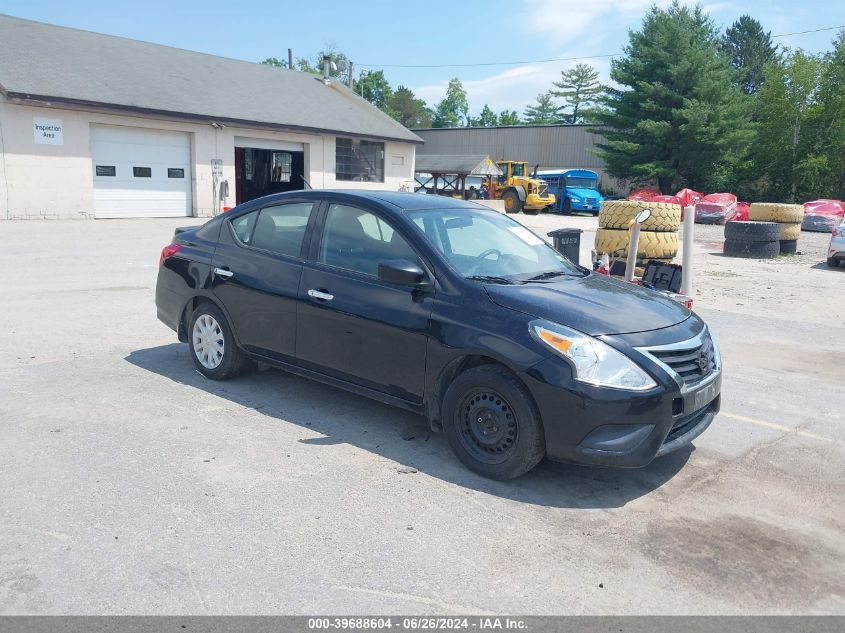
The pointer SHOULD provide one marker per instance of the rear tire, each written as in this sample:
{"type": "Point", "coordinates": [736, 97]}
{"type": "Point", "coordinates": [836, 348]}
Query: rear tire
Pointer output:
{"type": "Point", "coordinates": [832, 262]}
{"type": "Point", "coordinates": [212, 344]}
{"type": "Point", "coordinates": [788, 247]}
{"type": "Point", "coordinates": [757, 250]}
{"type": "Point", "coordinates": [512, 202]}
{"type": "Point", "coordinates": [492, 423]}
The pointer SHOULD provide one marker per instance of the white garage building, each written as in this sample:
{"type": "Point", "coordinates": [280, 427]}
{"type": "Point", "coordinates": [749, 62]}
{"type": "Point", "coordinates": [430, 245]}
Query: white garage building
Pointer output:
{"type": "Point", "coordinates": [95, 126]}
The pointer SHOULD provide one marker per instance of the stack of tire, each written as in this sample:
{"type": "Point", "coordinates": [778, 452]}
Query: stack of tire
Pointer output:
{"type": "Point", "coordinates": [760, 240]}
{"type": "Point", "coordinates": [787, 216]}
{"type": "Point", "coordinates": [658, 234]}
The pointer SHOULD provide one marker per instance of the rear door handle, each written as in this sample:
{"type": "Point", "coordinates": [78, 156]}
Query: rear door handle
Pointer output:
{"type": "Point", "coordinates": [222, 272]}
{"type": "Point", "coordinates": [322, 296]}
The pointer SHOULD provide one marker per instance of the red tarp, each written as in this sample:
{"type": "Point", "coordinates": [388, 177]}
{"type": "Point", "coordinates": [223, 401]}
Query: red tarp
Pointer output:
{"type": "Point", "coordinates": [741, 212]}
{"type": "Point", "coordinates": [688, 197]}
{"type": "Point", "coordinates": [823, 215]}
{"type": "Point", "coordinates": [643, 194]}
{"type": "Point", "coordinates": [716, 208]}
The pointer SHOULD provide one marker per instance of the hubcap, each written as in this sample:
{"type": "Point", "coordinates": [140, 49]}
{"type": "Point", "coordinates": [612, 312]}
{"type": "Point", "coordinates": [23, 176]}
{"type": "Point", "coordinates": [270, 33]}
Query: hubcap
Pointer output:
{"type": "Point", "coordinates": [208, 341]}
{"type": "Point", "coordinates": [488, 426]}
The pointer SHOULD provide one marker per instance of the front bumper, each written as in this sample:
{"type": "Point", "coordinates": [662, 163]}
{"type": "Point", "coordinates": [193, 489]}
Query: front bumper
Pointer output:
{"type": "Point", "coordinates": [533, 201]}
{"type": "Point", "coordinates": [609, 427]}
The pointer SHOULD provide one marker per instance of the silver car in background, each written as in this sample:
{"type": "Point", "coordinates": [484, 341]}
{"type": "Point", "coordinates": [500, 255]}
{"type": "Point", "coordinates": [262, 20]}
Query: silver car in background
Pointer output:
{"type": "Point", "coordinates": [836, 250]}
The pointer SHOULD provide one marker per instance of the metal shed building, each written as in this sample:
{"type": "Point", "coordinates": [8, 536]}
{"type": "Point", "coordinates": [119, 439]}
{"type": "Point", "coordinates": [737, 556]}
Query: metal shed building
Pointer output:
{"type": "Point", "coordinates": [549, 146]}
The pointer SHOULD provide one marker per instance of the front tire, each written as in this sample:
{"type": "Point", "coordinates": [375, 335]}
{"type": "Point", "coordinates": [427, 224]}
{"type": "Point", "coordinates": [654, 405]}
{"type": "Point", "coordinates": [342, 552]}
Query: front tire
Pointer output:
{"type": "Point", "coordinates": [512, 202]}
{"type": "Point", "coordinates": [213, 347]}
{"type": "Point", "coordinates": [492, 423]}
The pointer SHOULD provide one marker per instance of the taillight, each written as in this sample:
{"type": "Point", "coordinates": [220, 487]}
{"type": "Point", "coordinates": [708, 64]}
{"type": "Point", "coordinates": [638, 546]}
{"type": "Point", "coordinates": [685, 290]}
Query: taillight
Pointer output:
{"type": "Point", "coordinates": [168, 251]}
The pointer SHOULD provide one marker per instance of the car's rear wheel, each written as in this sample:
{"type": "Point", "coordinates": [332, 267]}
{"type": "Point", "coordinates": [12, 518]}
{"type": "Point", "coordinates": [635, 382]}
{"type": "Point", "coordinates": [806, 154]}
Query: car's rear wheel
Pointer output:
{"type": "Point", "coordinates": [492, 423]}
{"type": "Point", "coordinates": [213, 347]}
{"type": "Point", "coordinates": [832, 262]}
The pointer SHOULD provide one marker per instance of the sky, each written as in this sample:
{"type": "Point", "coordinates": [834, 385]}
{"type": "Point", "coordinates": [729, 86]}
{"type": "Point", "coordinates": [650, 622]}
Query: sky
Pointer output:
{"type": "Point", "coordinates": [393, 35]}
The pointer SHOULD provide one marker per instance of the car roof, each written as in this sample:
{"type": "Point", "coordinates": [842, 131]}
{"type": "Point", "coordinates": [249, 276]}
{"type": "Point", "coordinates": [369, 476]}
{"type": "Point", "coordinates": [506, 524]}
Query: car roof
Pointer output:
{"type": "Point", "coordinates": [396, 201]}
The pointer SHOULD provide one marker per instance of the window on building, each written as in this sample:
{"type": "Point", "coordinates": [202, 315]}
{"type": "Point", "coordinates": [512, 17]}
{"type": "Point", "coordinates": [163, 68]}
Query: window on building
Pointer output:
{"type": "Point", "coordinates": [358, 240]}
{"type": "Point", "coordinates": [106, 170]}
{"type": "Point", "coordinates": [175, 172]}
{"type": "Point", "coordinates": [360, 161]}
{"type": "Point", "coordinates": [280, 169]}
{"type": "Point", "coordinates": [142, 172]}
{"type": "Point", "coordinates": [280, 229]}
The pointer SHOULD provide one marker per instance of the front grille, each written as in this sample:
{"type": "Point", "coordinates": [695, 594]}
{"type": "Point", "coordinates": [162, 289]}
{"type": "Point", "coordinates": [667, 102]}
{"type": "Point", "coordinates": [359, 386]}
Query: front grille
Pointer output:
{"type": "Point", "coordinates": [591, 202]}
{"type": "Point", "coordinates": [544, 190]}
{"type": "Point", "coordinates": [692, 364]}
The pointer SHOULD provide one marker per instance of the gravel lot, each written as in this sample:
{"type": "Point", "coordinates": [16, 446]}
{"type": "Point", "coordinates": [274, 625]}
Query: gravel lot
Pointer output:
{"type": "Point", "coordinates": [129, 484]}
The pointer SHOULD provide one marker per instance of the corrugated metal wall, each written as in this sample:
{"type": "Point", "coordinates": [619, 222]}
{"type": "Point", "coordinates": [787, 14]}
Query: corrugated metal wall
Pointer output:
{"type": "Point", "coordinates": [550, 146]}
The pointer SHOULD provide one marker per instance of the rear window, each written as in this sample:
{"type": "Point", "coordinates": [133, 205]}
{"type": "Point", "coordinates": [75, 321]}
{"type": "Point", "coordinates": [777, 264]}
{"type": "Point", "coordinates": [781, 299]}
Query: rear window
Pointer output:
{"type": "Point", "coordinates": [243, 226]}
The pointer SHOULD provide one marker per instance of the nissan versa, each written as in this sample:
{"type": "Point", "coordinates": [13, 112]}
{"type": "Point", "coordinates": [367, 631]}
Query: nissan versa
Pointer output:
{"type": "Point", "coordinates": [451, 310]}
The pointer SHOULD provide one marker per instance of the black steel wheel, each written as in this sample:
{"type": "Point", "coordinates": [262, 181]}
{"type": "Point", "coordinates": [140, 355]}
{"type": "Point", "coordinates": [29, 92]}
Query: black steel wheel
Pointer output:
{"type": "Point", "coordinates": [492, 423]}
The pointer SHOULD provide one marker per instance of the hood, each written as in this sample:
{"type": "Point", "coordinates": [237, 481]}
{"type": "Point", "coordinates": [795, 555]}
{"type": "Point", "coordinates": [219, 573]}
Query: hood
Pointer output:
{"type": "Point", "coordinates": [595, 304]}
{"type": "Point", "coordinates": [581, 192]}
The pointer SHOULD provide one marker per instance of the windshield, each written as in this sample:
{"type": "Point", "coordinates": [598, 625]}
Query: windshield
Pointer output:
{"type": "Point", "coordinates": [582, 183]}
{"type": "Point", "coordinates": [518, 169]}
{"type": "Point", "coordinates": [487, 244]}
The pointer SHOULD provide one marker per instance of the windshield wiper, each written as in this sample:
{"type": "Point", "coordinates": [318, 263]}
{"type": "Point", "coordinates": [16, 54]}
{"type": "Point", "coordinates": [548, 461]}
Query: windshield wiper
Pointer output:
{"type": "Point", "coordinates": [491, 279]}
{"type": "Point", "coordinates": [552, 273]}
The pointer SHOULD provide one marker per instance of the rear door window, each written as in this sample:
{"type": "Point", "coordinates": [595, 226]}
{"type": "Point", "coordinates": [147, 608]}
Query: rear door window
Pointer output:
{"type": "Point", "coordinates": [243, 226]}
{"type": "Point", "coordinates": [280, 229]}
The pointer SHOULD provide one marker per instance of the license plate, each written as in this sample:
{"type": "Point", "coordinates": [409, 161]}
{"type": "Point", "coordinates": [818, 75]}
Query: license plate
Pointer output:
{"type": "Point", "coordinates": [705, 395]}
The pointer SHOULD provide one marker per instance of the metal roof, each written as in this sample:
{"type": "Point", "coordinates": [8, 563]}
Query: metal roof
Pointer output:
{"type": "Point", "coordinates": [43, 62]}
{"type": "Point", "coordinates": [465, 164]}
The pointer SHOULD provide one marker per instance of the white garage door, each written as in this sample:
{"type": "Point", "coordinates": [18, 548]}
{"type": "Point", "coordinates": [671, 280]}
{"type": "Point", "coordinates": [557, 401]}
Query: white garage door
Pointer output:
{"type": "Point", "coordinates": [140, 173]}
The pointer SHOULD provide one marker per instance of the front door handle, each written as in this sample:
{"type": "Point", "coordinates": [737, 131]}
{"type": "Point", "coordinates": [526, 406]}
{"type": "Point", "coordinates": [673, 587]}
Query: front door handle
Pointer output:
{"type": "Point", "coordinates": [222, 272]}
{"type": "Point", "coordinates": [322, 296]}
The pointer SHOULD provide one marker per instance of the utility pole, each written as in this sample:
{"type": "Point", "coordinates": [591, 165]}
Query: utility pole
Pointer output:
{"type": "Point", "coordinates": [290, 59]}
{"type": "Point", "coordinates": [351, 74]}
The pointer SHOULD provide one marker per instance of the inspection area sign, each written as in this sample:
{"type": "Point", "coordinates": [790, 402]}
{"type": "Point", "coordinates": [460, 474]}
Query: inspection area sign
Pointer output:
{"type": "Point", "coordinates": [48, 131]}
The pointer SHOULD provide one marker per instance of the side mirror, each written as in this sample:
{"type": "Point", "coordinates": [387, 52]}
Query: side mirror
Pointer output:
{"type": "Point", "coordinates": [401, 272]}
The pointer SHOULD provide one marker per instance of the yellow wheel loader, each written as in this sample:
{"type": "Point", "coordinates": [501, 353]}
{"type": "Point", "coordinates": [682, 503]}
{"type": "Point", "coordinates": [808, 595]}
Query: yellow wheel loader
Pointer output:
{"type": "Point", "coordinates": [519, 191]}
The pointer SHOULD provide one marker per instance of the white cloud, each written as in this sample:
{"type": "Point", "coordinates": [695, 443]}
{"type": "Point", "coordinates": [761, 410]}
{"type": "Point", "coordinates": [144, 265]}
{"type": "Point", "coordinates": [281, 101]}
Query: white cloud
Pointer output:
{"type": "Point", "coordinates": [566, 21]}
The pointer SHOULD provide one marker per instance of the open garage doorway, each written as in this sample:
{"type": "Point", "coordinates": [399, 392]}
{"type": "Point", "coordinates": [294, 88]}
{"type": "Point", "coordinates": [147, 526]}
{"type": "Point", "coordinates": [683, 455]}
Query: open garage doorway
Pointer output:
{"type": "Point", "coordinates": [259, 172]}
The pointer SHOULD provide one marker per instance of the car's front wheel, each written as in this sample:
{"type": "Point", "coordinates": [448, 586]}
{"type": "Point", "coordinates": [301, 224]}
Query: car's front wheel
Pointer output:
{"type": "Point", "coordinates": [492, 423]}
{"type": "Point", "coordinates": [212, 345]}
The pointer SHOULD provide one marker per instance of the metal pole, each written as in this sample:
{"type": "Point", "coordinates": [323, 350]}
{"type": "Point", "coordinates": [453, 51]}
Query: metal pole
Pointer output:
{"type": "Point", "coordinates": [686, 275]}
{"type": "Point", "coordinates": [351, 73]}
{"type": "Point", "coordinates": [633, 245]}
{"type": "Point", "coordinates": [290, 58]}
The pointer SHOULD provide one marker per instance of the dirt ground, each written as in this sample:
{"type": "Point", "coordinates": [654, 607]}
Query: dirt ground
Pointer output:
{"type": "Point", "coordinates": [799, 287]}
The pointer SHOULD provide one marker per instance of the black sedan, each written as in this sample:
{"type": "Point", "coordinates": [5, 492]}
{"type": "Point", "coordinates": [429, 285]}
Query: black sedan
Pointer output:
{"type": "Point", "coordinates": [451, 310]}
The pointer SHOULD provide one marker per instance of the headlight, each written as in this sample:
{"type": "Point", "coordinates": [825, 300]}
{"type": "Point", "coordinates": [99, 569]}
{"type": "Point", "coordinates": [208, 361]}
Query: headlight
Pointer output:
{"type": "Point", "coordinates": [594, 362]}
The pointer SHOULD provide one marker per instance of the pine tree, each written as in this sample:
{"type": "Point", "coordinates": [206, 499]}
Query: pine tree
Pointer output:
{"type": "Point", "coordinates": [677, 117]}
{"type": "Point", "coordinates": [405, 107]}
{"type": "Point", "coordinates": [579, 89]}
{"type": "Point", "coordinates": [543, 112]}
{"type": "Point", "coordinates": [509, 117]}
{"type": "Point", "coordinates": [750, 49]}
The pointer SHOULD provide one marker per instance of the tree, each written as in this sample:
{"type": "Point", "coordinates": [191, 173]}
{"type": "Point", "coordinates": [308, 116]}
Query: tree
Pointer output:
{"type": "Point", "coordinates": [676, 116]}
{"type": "Point", "coordinates": [406, 108]}
{"type": "Point", "coordinates": [545, 111]}
{"type": "Point", "coordinates": [453, 110]}
{"type": "Point", "coordinates": [788, 113]}
{"type": "Point", "coordinates": [749, 49]}
{"type": "Point", "coordinates": [579, 88]}
{"type": "Point", "coordinates": [509, 117]}
{"type": "Point", "coordinates": [830, 122]}
{"type": "Point", "coordinates": [375, 88]}
{"type": "Point", "coordinates": [487, 118]}
{"type": "Point", "coordinates": [338, 69]}
{"type": "Point", "coordinates": [273, 61]}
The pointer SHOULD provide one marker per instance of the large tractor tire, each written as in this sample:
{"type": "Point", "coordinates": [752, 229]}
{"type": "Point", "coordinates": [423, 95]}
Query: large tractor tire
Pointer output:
{"type": "Point", "coordinates": [788, 247]}
{"type": "Point", "coordinates": [789, 232]}
{"type": "Point", "coordinates": [512, 202]}
{"type": "Point", "coordinates": [736, 231]}
{"type": "Point", "coordinates": [769, 212]}
{"type": "Point", "coordinates": [652, 245]}
{"type": "Point", "coordinates": [759, 250]}
{"type": "Point", "coordinates": [618, 214]}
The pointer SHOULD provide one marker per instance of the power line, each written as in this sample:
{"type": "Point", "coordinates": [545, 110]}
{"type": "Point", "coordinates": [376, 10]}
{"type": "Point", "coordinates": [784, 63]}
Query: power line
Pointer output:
{"type": "Point", "coordinates": [558, 59]}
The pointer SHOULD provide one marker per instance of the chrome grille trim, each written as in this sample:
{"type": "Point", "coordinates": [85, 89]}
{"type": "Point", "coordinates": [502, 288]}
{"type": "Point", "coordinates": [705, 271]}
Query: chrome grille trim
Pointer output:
{"type": "Point", "coordinates": [693, 344]}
